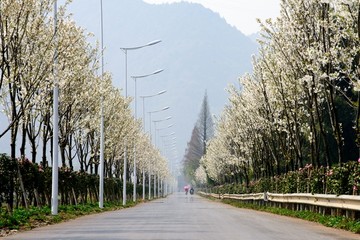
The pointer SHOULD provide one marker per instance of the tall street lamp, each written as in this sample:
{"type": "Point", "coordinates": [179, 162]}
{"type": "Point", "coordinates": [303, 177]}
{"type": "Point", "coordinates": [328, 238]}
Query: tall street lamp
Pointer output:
{"type": "Point", "coordinates": [158, 129]}
{"type": "Point", "coordinates": [55, 169]}
{"type": "Point", "coordinates": [158, 180]}
{"type": "Point", "coordinates": [101, 180]}
{"type": "Point", "coordinates": [143, 76]}
{"type": "Point", "coordinates": [151, 112]}
{"type": "Point", "coordinates": [143, 98]}
{"type": "Point", "coordinates": [163, 109]}
{"type": "Point", "coordinates": [135, 78]}
{"type": "Point", "coordinates": [168, 147]}
{"type": "Point", "coordinates": [125, 50]}
{"type": "Point", "coordinates": [166, 136]}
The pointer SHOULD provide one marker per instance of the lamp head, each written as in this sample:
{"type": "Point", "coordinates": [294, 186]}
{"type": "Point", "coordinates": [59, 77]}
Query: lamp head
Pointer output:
{"type": "Point", "coordinates": [158, 71]}
{"type": "Point", "coordinates": [161, 92]}
{"type": "Point", "coordinates": [153, 42]}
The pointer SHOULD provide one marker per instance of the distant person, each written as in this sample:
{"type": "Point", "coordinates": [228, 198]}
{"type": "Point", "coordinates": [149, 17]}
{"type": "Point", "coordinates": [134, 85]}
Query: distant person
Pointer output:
{"type": "Point", "coordinates": [191, 191]}
{"type": "Point", "coordinates": [186, 189]}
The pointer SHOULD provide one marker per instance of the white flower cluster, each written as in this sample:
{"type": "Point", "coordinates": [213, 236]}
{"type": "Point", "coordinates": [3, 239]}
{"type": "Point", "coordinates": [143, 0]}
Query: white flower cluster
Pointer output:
{"type": "Point", "coordinates": [287, 110]}
{"type": "Point", "coordinates": [32, 56]}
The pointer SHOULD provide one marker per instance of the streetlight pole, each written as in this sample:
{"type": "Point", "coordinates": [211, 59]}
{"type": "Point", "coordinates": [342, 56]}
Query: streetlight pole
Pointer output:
{"type": "Point", "coordinates": [166, 143]}
{"type": "Point", "coordinates": [135, 174]}
{"type": "Point", "coordinates": [163, 138]}
{"type": "Point", "coordinates": [55, 169]}
{"type": "Point", "coordinates": [160, 110]}
{"type": "Point", "coordinates": [143, 100]}
{"type": "Point", "coordinates": [101, 180]}
{"type": "Point", "coordinates": [143, 76]}
{"type": "Point", "coordinates": [163, 109]}
{"type": "Point", "coordinates": [125, 50]}
{"type": "Point", "coordinates": [158, 129]}
{"type": "Point", "coordinates": [168, 146]}
{"type": "Point", "coordinates": [158, 179]}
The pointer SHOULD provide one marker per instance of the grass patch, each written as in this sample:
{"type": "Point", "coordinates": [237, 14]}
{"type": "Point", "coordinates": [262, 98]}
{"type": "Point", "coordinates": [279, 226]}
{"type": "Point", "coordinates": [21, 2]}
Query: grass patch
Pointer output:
{"type": "Point", "coordinates": [340, 222]}
{"type": "Point", "coordinates": [24, 219]}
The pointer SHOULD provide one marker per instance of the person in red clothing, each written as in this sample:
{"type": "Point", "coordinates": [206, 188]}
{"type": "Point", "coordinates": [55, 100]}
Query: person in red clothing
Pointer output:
{"type": "Point", "coordinates": [186, 189]}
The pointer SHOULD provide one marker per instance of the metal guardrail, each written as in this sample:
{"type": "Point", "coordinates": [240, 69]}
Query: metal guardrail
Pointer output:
{"type": "Point", "coordinates": [347, 202]}
{"type": "Point", "coordinates": [324, 200]}
{"type": "Point", "coordinates": [254, 196]}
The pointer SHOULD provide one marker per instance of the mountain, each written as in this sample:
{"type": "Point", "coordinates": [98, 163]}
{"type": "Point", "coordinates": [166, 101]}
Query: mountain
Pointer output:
{"type": "Point", "coordinates": [199, 51]}
{"type": "Point", "coordinates": [255, 36]}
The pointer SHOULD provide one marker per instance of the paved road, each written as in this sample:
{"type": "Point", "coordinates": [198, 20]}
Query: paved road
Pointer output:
{"type": "Point", "coordinates": [181, 217]}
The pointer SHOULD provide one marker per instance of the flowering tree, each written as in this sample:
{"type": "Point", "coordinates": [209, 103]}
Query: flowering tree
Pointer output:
{"type": "Point", "coordinates": [300, 103]}
{"type": "Point", "coordinates": [28, 45]}
{"type": "Point", "coordinates": [26, 61]}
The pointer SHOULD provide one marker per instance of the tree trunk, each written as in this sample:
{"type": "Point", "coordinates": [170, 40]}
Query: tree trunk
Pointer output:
{"type": "Point", "coordinates": [23, 139]}
{"type": "Point", "coordinates": [46, 130]}
{"type": "Point", "coordinates": [70, 158]}
{"type": "Point", "coordinates": [13, 130]}
{"type": "Point", "coordinates": [330, 91]}
{"type": "Point", "coordinates": [358, 98]}
{"type": "Point", "coordinates": [62, 154]}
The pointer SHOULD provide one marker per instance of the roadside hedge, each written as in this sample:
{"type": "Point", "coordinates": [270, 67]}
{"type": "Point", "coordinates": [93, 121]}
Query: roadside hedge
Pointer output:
{"type": "Point", "coordinates": [344, 179]}
{"type": "Point", "coordinates": [74, 187]}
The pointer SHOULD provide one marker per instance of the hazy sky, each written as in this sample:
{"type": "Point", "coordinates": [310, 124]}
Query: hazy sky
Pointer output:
{"type": "Point", "coordinates": [239, 13]}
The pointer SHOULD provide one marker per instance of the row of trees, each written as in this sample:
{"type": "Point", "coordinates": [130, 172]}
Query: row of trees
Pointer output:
{"type": "Point", "coordinates": [301, 104]}
{"type": "Point", "coordinates": [75, 187]}
{"type": "Point", "coordinates": [27, 46]}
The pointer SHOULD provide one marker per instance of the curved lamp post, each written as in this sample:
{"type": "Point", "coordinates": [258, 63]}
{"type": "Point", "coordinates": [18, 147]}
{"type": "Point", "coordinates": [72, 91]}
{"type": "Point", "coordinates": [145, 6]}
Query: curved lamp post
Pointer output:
{"type": "Point", "coordinates": [166, 136]}
{"type": "Point", "coordinates": [102, 134]}
{"type": "Point", "coordinates": [151, 112]}
{"type": "Point", "coordinates": [125, 50]}
{"type": "Point", "coordinates": [166, 154]}
{"type": "Point", "coordinates": [163, 109]}
{"type": "Point", "coordinates": [158, 129]}
{"type": "Point", "coordinates": [143, 98]}
{"type": "Point", "coordinates": [135, 78]}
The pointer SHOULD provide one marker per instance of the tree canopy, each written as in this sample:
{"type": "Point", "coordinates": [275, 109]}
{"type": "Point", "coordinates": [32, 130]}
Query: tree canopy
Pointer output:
{"type": "Point", "coordinates": [202, 132]}
{"type": "Point", "coordinates": [27, 46]}
{"type": "Point", "coordinates": [300, 106]}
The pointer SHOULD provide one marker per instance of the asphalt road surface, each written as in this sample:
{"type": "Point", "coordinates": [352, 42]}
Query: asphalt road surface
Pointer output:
{"type": "Point", "coordinates": [185, 217]}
